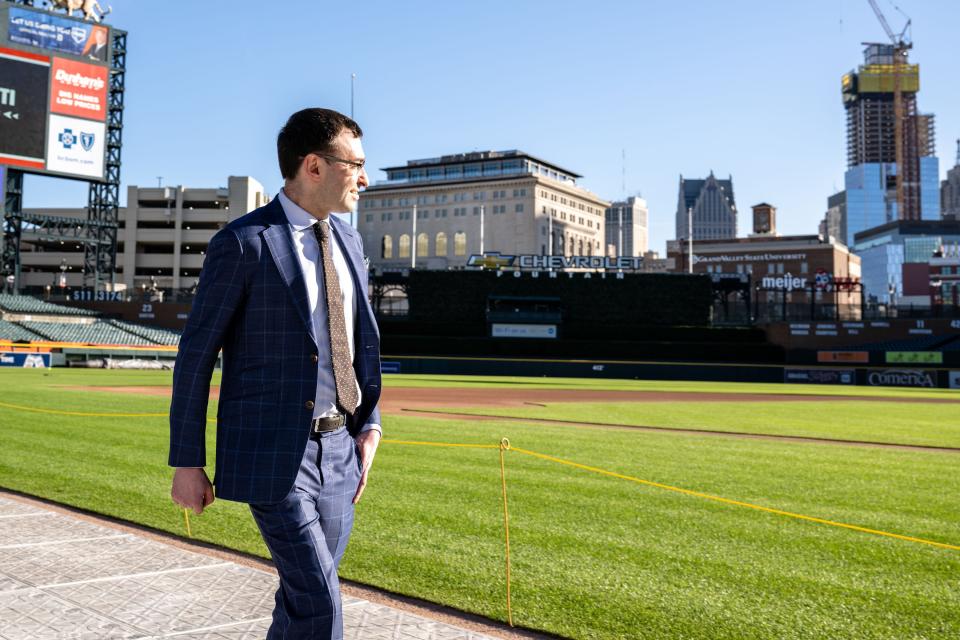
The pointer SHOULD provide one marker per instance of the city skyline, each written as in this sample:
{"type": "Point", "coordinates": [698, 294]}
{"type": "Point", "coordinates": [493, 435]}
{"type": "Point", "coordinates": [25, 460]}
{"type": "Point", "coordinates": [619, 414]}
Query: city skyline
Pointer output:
{"type": "Point", "coordinates": [684, 92]}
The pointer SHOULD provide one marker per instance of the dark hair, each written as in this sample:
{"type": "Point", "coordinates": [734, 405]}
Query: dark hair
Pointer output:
{"type": "Point", "coordinates": [310, 131]}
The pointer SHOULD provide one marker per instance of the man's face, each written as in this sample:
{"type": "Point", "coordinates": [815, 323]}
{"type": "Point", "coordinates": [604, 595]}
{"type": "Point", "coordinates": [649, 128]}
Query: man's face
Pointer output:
{"type": "Point", "coordinates": [101, 37]}
{"type": "Point", "coordinates": [341, 182]}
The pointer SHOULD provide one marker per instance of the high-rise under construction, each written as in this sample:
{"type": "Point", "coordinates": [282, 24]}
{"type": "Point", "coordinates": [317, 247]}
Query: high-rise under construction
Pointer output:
{"type": "Point", "coordinates": [873, 196]}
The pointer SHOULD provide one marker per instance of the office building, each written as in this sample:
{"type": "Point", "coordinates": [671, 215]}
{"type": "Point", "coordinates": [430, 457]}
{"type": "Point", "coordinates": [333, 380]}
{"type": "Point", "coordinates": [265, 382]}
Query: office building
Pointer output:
{"type": "Point", "coordinates": [626, 227]}
{"type": "Point", "coordinates": [161, 242]}
{"type": "Point", "coordinates": [871, 178]}
{"type": "Point", "coordinates": [714, 210]}
{"type": "Point", "coordinates": [434, 213]}
{"type": "Point", "coordinates": [889, 251]}
{"type": "Point", "coordinates": [834, 221]}
{"type": "Point", "coordinates": [950, 190]}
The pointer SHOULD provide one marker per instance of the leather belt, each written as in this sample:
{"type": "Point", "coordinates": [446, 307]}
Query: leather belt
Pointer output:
{"type": "Point", "coordinates": [327, 423]}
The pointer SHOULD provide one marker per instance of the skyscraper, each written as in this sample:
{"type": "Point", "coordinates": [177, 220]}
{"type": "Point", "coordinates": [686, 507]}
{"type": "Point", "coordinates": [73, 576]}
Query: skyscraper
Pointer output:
{"type": "Point", "coordinates": [950, 190]}
{"type": "Point", "coordinates": [871, 177]}
{"type": "Point", "coordinates": [713, 205]}
{"type": "Point", "coordinates": [626, 227]}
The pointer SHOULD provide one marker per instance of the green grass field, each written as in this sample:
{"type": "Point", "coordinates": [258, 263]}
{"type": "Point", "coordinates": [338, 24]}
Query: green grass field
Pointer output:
{"type": "Point", "coordinates": [593, 556]}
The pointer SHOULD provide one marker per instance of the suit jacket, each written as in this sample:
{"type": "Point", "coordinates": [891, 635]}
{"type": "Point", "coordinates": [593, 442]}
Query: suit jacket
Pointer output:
{"type": "Point", "coordinates": [252, 303]}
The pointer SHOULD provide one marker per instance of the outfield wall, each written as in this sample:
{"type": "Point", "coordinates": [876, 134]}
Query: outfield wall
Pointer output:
{"type": "Point", "coordinates": [703, 372]}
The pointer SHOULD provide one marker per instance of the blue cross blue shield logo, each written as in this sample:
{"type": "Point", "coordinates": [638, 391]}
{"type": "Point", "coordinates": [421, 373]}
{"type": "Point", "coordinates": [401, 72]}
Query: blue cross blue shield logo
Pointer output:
{"type": "Point", "coordinates": [86, 141]}
{"type": "Point", "coordinates": [67, 139]}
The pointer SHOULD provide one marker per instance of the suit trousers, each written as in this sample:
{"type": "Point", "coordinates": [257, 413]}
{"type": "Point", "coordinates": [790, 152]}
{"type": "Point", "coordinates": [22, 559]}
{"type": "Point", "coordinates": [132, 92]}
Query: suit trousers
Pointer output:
{"type": "Point", "coordinates": [307, 533]}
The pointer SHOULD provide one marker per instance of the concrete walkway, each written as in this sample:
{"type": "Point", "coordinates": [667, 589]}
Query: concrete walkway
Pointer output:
{"type": "Point", "coordinates": [63, 576]}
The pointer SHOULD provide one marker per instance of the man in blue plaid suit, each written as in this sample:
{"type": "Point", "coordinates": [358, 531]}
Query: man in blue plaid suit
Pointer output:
{"type": "Point", "coordinates": [283, 294]}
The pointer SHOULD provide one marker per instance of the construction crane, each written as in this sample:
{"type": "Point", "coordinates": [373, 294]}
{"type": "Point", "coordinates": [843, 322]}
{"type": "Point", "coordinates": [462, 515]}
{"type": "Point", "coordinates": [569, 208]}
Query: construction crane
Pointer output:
{"type": "Point", "coordinates": [900, 47]}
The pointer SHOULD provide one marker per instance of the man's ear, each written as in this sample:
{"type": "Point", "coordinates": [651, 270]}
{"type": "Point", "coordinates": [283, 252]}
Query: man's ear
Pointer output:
{"type": "Point", "coordinates": [311, 168]}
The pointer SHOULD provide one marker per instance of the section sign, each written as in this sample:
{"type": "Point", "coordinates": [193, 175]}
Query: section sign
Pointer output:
{"type": "Point", "coordinates": [48, 31]}
{"type": "Point", "coordinates": [24, 80]}
{"type": "Point", "coordinates": [75, 146]}
{"type": "Point", "coordinates": [79, 89]}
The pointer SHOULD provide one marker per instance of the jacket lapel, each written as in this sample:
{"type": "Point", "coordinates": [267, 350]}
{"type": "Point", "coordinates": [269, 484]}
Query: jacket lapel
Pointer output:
{"type": "Point", "coordinates": [280, 242]}
{"type": "Point", "coordinates": [345, 236]}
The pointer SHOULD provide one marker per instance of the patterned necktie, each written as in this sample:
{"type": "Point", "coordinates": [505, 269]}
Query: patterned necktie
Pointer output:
{"type": "Point", "coordinates": [343, 373]}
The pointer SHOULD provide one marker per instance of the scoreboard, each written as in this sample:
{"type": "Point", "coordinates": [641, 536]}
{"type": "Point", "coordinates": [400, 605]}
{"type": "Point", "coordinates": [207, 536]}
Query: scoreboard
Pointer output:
{"type": "Point", "coordinates": [54, 81]}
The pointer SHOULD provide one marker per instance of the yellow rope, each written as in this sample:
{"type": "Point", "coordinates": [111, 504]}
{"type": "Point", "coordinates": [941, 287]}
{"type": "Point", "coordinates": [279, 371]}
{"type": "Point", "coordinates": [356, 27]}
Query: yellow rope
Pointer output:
{"type": "Point", "coordinates": [441, 444]}
{"type": "Point", "coordinates": [505, 446]}
{"type": "Point", "coordinates": [83, 413]}
{"type": "Point", "coordinates": [738, 503]}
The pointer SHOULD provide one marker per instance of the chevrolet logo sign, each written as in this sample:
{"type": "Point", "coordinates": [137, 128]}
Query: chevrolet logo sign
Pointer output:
{"type": "Point", "coordinates": [491, 260]}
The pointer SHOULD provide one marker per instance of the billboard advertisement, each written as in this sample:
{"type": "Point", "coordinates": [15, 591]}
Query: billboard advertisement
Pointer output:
{"type": "Point", "coordinates": [54, 86]}
{"type": "Point", "coordinates": [75, 146]}
{"type": "Point", "coordinates": [820, 376]}
{"type": "Point", "coordinates": [504, 330]}
{"type": "Point", "coordinates": [955, 380]}
{"type": "Point", "coordinates": [914, 357]}
{"type": "Point", "coordinates": [27, 360]}
{"type": "Point", "coordinates": [79, 89]}
{"type": "Point", "coordinates": [902, 378]}
{"type": "Point", "coordinates": [24, 81]}
{"type": "Point", "coordinates": [56, 33]}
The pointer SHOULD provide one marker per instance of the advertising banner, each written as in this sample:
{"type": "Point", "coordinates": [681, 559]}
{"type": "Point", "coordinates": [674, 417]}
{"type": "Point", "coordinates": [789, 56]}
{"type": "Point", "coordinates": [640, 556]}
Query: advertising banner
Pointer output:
{"type": "Point", "coordinates": [858, 357]}
{"type": "Point", "coordinates": [24, 78]}
{"type": "Point", "coordinates": [75, 146]}
{"type": "Point", "coordinates": [503, 330]}
{"type": "Point", "coordinates": [27, 360]}
{"type": "Point", "coordinates": [914, 357]}
{"type": "Point", "coordinates": [955, 379]}
{"type": "Point", "coordinates": [902, 378]}
{"type": "Point", "coordinates": [48, 31]}
{"type": "Point", "coordinates": [820, 376]}
{"type": "Point", "coordinates": [79, 89]}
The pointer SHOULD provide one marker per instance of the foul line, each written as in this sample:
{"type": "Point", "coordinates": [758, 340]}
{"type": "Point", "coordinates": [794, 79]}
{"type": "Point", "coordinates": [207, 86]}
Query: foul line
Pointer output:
{"type": "Point", "coordinates": [737, 503]}
{"type": "Point", "coordinates": [691, 430]}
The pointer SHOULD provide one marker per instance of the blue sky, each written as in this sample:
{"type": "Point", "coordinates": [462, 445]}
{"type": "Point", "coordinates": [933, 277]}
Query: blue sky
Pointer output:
{"type": "Point", "coordinates": [748, 88]}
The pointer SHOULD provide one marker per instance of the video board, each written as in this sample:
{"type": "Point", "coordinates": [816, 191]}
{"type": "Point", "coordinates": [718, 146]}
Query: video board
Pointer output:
{"type": "Point", "coordinates": [54, 82]}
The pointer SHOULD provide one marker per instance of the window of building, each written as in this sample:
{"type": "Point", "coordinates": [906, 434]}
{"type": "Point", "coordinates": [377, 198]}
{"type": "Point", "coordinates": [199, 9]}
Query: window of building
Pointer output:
{"type": "Point", "coordinates": [386, 247]}
{"type": "Point", "coordinates": [771, 268]}
{"type": "Point", "coordinates": [804, 267]}
{"type": "Point", "coordinates": [476, 211]}
{"type": "Point", "coordinates": [478, 195]}
{"type": "Point", "coordinates": [368, 218]}
{"type": "Point", "coordinates": [440, 244]}
{"type": "Point", "coordinates": [518, 208]}
{"type": "Point", "coordinates": [421, 199]}
{"type": "Point", "coordinates": [404, 246]}
{"type": "Point", "coordinates": [779, 267]}
{"type": "Point", "coordinates": [423, 245]}
{"type": "Point", "coordinates": [460, 243]}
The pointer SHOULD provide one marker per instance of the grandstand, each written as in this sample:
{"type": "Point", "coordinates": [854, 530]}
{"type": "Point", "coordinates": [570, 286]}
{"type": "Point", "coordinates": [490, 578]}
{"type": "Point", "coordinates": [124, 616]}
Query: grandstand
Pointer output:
{"type": "Point", "coordinates": [27, 305]}
{"type": "Point", "coordinates": [24, 319]}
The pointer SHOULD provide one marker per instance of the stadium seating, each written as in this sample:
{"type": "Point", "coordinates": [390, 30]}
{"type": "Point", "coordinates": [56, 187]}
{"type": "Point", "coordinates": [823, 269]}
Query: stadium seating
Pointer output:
{"type": "Point", "coordinates": [16, 333]}
{"type": "Point", "coordinates": [99, 332]}
{"type": "Point", "coordinates": [155, 335]}
{"type": "Point", "coordinates": [27, 304]}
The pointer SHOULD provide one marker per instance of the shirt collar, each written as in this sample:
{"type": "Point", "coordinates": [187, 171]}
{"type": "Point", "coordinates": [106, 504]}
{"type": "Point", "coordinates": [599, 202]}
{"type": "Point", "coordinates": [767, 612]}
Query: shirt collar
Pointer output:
{"type": "Point", "coordinates": [297, 216]}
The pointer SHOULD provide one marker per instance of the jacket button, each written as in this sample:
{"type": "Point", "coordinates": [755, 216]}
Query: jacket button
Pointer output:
{"type": "Point", "coordinates": [308, 404]}
{"type": "Point", "coordinates": [314, 358]}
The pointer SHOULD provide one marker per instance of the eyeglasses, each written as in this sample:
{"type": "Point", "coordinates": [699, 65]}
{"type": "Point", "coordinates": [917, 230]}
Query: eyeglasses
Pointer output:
{"type": "Point", "coordinates": [357, 165]}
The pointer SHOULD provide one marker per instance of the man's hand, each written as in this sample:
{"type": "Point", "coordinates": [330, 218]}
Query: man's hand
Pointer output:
{"type": "Point", "coordinates": [367, 441]}
{"type": "Point", "coordinates": [192, 489]}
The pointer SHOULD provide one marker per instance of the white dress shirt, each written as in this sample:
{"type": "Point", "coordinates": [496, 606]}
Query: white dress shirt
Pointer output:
{"type": "Point", "coordinates": [308, 255]}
